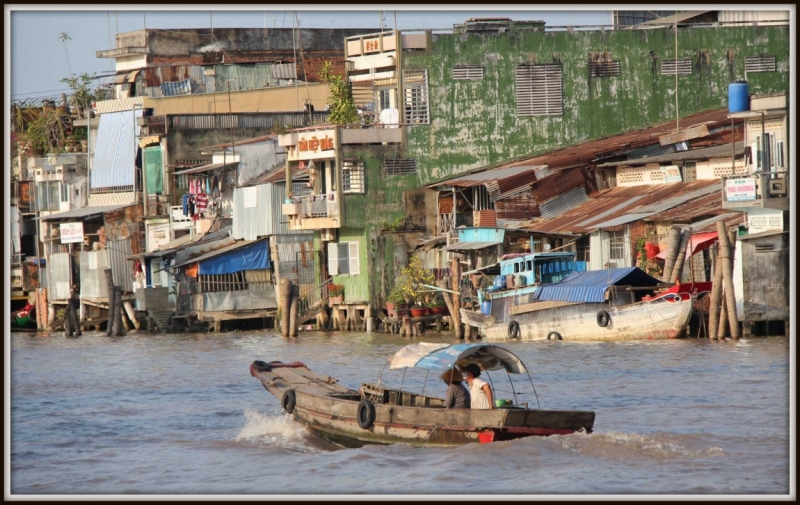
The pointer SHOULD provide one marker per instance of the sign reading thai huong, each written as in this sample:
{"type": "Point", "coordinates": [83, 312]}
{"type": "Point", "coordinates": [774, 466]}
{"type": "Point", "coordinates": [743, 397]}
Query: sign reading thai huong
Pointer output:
{"type": "Point", "coordinates": [740, 189]}
{"type": "Point", "coordinates": [71, 233]}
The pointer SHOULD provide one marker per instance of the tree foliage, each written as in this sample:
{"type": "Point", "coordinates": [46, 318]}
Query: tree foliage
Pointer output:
{"type": "Point", "coordinates": [340, 101]}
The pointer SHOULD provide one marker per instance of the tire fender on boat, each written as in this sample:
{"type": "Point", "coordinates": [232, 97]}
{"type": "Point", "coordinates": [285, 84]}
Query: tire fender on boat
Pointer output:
{"type": "Point", "coordinates": [365, 415]}
{"type": "Point", "coordinates": [513, 329]}
{"type": "Point", "coordinates": [288, 401]}
{"type": "Point", "coordinates": [603, 318]}
{"type": "Point", "coordinates": [554, 335]}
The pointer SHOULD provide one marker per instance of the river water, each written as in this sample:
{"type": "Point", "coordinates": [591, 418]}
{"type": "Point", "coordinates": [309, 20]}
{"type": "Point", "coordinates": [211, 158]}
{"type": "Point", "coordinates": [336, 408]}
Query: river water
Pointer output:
{"type": "Point", "coordinates": [180, 414]}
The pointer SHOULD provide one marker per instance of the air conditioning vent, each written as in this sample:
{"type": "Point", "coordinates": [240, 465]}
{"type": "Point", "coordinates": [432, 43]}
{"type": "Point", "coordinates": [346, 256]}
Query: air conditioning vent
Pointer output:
{"type": "Point", "coordinates": [777, 188]}
{"type": "Point", "coordinates": [328, 235]}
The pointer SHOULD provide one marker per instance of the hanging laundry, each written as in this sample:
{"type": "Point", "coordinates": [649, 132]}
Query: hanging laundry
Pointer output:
{"type": "Point", "coordinates": [208, 185]}
{"type": "Point", "coordinates": [186, 204]}
{"type": "Point", "coordinates": [190, 206]}
{"type": "Point", "coordinates": [201, 205]}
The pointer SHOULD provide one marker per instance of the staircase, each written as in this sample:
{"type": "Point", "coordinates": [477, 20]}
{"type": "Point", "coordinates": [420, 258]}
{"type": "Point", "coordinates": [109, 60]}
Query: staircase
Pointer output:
{"type": "Point", "coordinates": [316, 300]}
{"type": "Point", "coordinates": [161, 318]}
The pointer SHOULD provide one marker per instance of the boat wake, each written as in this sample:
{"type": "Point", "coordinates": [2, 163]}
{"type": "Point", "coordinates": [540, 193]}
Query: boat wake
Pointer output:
{"type": "Point", "coordinates": [653, 446]}
{"type": "Point", "coordinates": [278, 431]}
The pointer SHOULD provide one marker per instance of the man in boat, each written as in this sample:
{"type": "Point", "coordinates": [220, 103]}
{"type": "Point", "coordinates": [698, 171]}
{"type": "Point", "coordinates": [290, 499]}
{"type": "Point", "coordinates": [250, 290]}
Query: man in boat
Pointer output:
{"type": "Point", "coordinates": [457, 395]}
{"type": "Point", "coordinates": [479, 391]}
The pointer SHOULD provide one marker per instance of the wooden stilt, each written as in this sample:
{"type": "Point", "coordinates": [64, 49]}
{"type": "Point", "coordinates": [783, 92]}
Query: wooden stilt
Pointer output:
{"type": "Point", "coordinates": [716, 297]}
{"type": "Point", "coordinates": [131, 313]}
{"type": "Point", "coordinates": [672, 253]}
{"type": "Point", "coordinates": [727, 248]}
{"type": "Point", "coordinates": [111, 294]}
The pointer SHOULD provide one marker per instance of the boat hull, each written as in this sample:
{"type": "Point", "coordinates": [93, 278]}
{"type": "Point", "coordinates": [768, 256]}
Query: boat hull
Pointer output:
{"type": "Point", "coordinates": [660, 319]}
{"type": "Point", "coordinates": [331, 411]}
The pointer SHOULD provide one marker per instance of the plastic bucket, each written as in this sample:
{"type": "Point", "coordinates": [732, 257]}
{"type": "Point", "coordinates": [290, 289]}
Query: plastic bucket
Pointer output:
{"type": "Point", "coordinates": [486, 307]}
{"type": "Point", "coordinates": [499, 282]}
{"type": "Point", "coordinates": [499, 403]}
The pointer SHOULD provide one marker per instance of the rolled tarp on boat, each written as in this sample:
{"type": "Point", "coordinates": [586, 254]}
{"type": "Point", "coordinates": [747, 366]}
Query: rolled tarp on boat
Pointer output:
{"type": "Point", "coordinates": [444, 356]}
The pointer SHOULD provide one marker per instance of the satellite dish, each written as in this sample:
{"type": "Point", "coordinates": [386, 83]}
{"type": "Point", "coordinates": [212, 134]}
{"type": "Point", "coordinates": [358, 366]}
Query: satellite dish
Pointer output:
{"type": "Point", "coordinates": [547, 247]}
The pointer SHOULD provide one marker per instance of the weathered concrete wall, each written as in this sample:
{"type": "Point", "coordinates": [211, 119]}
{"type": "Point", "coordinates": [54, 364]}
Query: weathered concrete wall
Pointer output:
{"type": "Point", "coordinates": [279, 99]}
{"type": "Point", "coordinates": [259, 158]}
{"type": "Point", "coordinates": [475, 123]}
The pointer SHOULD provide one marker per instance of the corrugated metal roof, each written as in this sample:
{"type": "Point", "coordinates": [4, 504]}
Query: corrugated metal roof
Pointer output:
{"type": "Point", "coordinates": [591, 286]}
{"type": "Point", "coordinates": [206, 168]}
{"type": "Point", "coordinates": [680, 199]}
{"type": "Point", "coordinates": [680, 17]}
{"type": "Point", "coordinates": [479, 178]}
{"type": "Point", "coordinates": [621, 199]}
{"type": "Point", "coordinates": [559, 183]}
{"type": "Point", "coordinates": [115, 151]}
{"type": "Point", "coordinates": [249, 223]}
{"type": "Point", "coordinates": [719, 151]}
{"type": "Point", "coordinates": [253, 140]}
{"type": "Point", "coordinates": [470, 246]}
{"type": "Point", "coordinates": [117, 105]}
{"type": "Point", "coordinates": [624, 219]}
{"type": "Point", "coordinates": [85, 212]}
{"type": "Point", "coordinates": [564, 202]}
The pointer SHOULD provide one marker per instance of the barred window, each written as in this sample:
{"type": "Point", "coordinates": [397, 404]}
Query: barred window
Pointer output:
{"type": "Point", "coordinates": [352, 176]}
{"type": "Point", "coordinates": [672, 67]}
{"type": "Point", "coordinates": [539, 90]}
{"type": "Point", "coordinates": [49, 195]}
{"type": "Point", "coordinates": [761, 63]}
{"type": "Point", "coordinates": [617, 245]}
{"type": "Point", "coordinates": [415, 90]}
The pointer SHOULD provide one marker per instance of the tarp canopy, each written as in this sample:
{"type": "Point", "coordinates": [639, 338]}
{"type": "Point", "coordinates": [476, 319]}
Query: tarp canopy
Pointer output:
{"type": "Point", "coordinates": [251, 257]}
{"type": "Point", "coordinates": [154, 172]}
{"type": "Point", "coordinates": [591, 287]}
{"type": "Point", "coordinates": [700, 242]}
{"type": "Point", "coordinates": [445, 356]}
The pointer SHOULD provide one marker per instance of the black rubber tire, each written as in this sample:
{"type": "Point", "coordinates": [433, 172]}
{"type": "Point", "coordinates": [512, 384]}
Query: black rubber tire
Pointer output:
{"type": "Point", "coordinates": [555, 335]}
{"type": "Point", "coordinates": [288, 401]}
{"type": "Point", "coordinates": [513, 329]}
{"type": "Point", "coordinates": [603, 319]}
{"type": "Point", "coordinates": [365, 415]}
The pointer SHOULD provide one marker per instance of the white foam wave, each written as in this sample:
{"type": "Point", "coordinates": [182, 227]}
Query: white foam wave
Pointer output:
{"type": "Point", "coordinates": [270, 429]}
{"type": "Point", "coordinates": [658, 446]}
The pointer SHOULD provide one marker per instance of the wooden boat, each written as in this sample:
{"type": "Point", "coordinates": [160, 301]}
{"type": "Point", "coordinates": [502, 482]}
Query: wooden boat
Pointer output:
{"type": "Point", "coordinates": [22, 318]}
{"type": "Point", "coordinates": [612, 304]}
{"type": "Point", "coordinates": [377, 413]}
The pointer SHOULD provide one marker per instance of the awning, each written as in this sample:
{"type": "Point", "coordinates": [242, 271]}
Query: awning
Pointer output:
{"type": "Point", "coordinates": [591, 286]}
{"type": "Point", "coordinates": [444, 356]}
{"type": "Point", "coordinates": [85, 212]}
{"type": "Point", "coordinates": [700, 242]}
{"type": "Point", "coordinates": [493, 269]}
{"type": "Point", "coordinates": [470, 246]}
{"type": "Point", "coordinates": [242, 255]}
{"type": "Point", "coordinates": [206, 168]}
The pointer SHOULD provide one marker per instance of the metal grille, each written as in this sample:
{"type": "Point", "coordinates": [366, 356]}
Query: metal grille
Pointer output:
{"type": "Point", "coordinates": [759, 64]}
{"type": "Point", "coordinates": [401, 166]}
{"type": "Point", "coordinates": [672, 67]}
{"type": "Point", "coordinates": [469, 73]}
{"type": "Point", "coordinates": [352, 176]}
{"type": "Point", "coordinates": [539, 90]}
{"type": "Point", "coordinates": [415, 87]}
{"type": "Point", "coordinates": [219, 121]}
{"type": "Point", "coordinates": [303, 272]}
{"type": "Point", "coordinates": [604, 68]}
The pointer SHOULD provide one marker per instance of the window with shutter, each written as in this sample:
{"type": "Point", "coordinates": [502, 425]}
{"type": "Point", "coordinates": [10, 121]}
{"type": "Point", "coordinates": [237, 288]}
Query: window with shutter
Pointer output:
{"type": "Point", "coordinates": [352, 176]}
{"type": "Point", "coordinates": [539, 90]}
{"type": "Point", "coordinates": [604, 68]}
{"type": "Point", "coordinates": [343, 253]}
{"type": "Point", "coordinates": [401, 166]}
{"type": "Point", "coordinates": [333, 258]}
{"type": "Point", "coordinates": [672, 67]}
{"type": "Point", "coordinates": [354, 265]}
{"type": "Point", "coordinates": [759, 63]}
{"type": "Point", "coordinates": [467, 72]}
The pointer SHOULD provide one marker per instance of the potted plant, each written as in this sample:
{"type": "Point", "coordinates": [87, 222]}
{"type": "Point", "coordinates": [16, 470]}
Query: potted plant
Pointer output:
{"type": "Point", "coordinates": [438, 306]}
{"type": "Point", "coordinates": [335, 294]}
{"type": "Point", "coordinates": [396, 304]}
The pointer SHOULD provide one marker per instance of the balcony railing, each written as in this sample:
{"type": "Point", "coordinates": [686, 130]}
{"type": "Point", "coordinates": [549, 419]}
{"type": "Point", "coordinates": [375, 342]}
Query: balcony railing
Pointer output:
{"type": "Point", "coordinates": [312, 206]}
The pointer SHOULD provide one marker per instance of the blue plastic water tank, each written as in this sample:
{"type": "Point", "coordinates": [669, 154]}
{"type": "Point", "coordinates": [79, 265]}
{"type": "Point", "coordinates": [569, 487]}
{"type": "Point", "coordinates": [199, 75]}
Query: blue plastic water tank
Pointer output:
{"type": "Point", "coordinates": [738, 97]}
{"type": "Point", "coordinates": [486, 307]}
{"type": "Point", "coordinates": [500, 281]}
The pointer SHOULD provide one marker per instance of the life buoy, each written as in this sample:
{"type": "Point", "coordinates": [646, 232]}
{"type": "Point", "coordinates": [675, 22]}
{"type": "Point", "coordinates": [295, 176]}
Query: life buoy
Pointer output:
{"type": "Point", "coordinates": [513, 329]}
{"type": "Point", "coordinates": [554, 334]}
{"type": "Point", "coordinates": [603, 318]}
{"type": "Point", "coordinates": [288, 401]}
{"type": "Point", "coordinates": [365, 415]}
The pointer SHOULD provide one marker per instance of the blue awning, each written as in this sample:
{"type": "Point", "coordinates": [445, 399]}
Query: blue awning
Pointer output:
{"type": "Point", "coordinates": [591, 287]}
{"type": "Point", "coordinates": [251, 257]}
{"type": "Point", "coordinates": [444, 356]}
{"type": "Point", "coordinates": [115, 153]}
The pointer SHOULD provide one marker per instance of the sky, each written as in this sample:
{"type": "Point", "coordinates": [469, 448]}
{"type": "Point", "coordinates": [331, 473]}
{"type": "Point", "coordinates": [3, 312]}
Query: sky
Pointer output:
{"type": "Point", "coordinates": [39, 59]}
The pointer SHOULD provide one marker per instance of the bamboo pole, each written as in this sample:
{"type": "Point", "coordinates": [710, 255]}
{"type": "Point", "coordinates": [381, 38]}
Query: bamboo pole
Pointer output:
{"type": "Point", "coordinates": [456, 315]}
{"type": "Point", "coordinates": [716, 295]}
{"type": "Point", "coordinates": [672, 247]}
{"type": "Point", "coordinates": [285, 293]}
{"type": "Point", "coordinates": [293, 316]}
{"type": "Point", "coordinates": [726, 259]}
{"type": "Point", "coordinates": [680, 257]}
{"type": "Point", "coordinates": [722, 329]}
{"type": "Point", "coordinates": [118, 330]}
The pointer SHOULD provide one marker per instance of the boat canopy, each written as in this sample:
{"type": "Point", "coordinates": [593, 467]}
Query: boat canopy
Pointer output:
{"type": "Point", "coordinates": [591, 286]}
{"type": "Point", "coordinates": [445, 356]}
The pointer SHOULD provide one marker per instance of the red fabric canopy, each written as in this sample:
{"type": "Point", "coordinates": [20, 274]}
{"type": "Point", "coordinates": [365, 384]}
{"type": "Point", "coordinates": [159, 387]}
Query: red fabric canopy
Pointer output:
{"type": "Point", "coordinates": [700, 241]}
